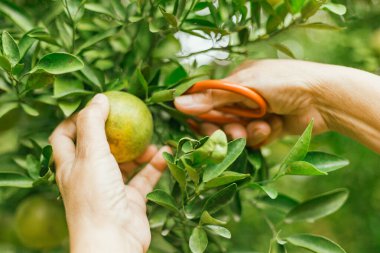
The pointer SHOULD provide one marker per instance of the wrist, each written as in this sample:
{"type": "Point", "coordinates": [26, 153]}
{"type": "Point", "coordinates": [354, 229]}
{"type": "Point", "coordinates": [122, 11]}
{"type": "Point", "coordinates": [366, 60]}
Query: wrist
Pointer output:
{"type": "Point", "coordinates": [347, 99]}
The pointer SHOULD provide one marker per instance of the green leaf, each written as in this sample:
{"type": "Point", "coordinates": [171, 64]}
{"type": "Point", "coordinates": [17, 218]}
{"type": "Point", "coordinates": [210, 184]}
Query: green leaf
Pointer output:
{"type": "Point", "coordinates": [99, 8]}
{"type": "Point", "coordinates": [276, 247]}
{"type": "Point", "coordinates": [214, 150]}
{"type": "Point", "coordinates": [218, 230]}
{"type": "Point", "coordinates": [16, 14]}
{"type": "Point", "coordinates": [176, 75]}
{"type": "Point", "coordinates": [162, 96]}
{"type": "Point", "coordinates": [299, 150]}
{"type": "Point", "coordinates": [167, 47]}
{"type": "Point", "coordinates": [282, 203]}
{"type": "Point", "coordinates": [25, 43]}
{"type": "Point", "coordinates": [273, 23]}
{"type": "Point", "coordinates": [69, 107]}
{"type": "Point", "coordinates": [296, 5]}
{"type": "Point", "coordinates": [206, 218]}
{"type": "Point", "coordinates": [303, 168]}
{"type": "Point", "coordinates": [315, 243]}
{"type": "Point", "coordinates": [59, 63]}
{"type": "Point", "coordinates": [338, 9]}
{"type": "Point", "coordinates": [320, 26]}
{"type": "Point", "coordinates": [226, 177]}
{"type": "Point", "coordinates": [64, 87]}
{"type": "Point", "coordinates": [95, 39]}
{"type": "Point", "coordinates": [96, 78]}
{"type": "Point", "coordinates": [284, 49]}
{"type": "Point", "coordinates": [198, 240]}
{"type": "Point", "coordinates": [10, 48]}
{"type": "Point", "coordinates": [162, 198]}
{"type": "Point", "coordinates": [220, 199]}
{"type": "Point", "coordinates": [191, 172]}
{"type": "Point", "coordinates": [269, 190]}
{"type": "Point", "coordinates": [30, 110]}
{"type": "Point", "coordinates": [15, 180]}
{"type": "Point", "coordinates": [234, 149]}
{"type": "Point", "coordinates": [39, 80]}
{"type": "Point", "coordinates": [177, 172]}
{"type": "Point", "coordinates": [255, 158]}
{"type": "Point", "coordinates": [5, 64]}
{"type": "Point", "coordinates": [326, 162]}
{"type": "Point", "coordinates": [172, 20]}
{"type": "Point", "coordinates": [142, 81]}
{"type": "Point", "coordinates": [318, 207]}
{"type": "Point", "coordinates": [7, 107]}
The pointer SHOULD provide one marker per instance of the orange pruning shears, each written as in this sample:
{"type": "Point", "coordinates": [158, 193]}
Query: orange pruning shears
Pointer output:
{"type": "Point", "coordinates": [243, 114]}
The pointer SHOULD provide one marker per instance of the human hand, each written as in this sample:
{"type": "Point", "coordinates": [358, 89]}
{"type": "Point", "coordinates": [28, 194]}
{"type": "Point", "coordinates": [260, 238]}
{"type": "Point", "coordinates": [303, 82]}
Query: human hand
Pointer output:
{"type": "Point", "coordinates": [289, 87]}
{"type": "Point", "coordinates": [103, 214]}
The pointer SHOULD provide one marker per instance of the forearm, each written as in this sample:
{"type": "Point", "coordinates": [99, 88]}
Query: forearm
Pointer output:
{"type": "Point", "coordinates": [350, 104]}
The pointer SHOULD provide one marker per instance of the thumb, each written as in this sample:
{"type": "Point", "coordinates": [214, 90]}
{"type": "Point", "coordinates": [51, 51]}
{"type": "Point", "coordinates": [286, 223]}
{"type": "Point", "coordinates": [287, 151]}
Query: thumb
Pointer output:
{"type": "Point", "coordinates": [198, 103]}
{"type": "Point", "coordinates": [91, 136]}
{"type": "Point", "coordinates": [194, 104]}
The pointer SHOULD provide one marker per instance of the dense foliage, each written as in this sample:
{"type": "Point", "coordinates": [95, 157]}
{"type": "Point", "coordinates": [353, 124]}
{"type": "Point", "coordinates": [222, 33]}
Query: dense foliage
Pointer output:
{"type": "Point", "coordinates": [57, 54]}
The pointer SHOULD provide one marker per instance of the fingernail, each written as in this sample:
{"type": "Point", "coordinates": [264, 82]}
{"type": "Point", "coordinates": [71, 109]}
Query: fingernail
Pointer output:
{"type": "Point", "coordinates": [185, 100]}
{"type": "Point", "coordinates": [99, 98]}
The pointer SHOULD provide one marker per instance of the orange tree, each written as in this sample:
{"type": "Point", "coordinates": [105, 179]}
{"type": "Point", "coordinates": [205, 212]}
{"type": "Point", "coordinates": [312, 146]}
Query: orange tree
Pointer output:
{"type": "Point", "coordinates": [55, 55]}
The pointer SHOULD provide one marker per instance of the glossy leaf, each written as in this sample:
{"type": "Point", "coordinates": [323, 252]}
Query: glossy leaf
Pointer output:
{"type": "Point", "coordinates": [16, 14]}
{"type": "Point", "coordinates": [214, 150]}
{"type": "Point", "coordinates": [276, 247]}
{"type": "Point", "coordinates": [162, 198]}
{"type": "Point", "coordinates": [218, 230]}
{"type": "Point", "coordinates": [59, 63]}
{"type": "Point", "coordinates": [177, 172]}
{"type": "Point", "coordinates": [226, 177]}
{"type": "Point", "coordinates": [284, 49]}
{"type": "Point", "coordinates": [303, 168]}
{"type": "Point", "coordinates": [318, 207]}
{"type": "Point", "coordinates": [15, 180]}
{"type": "Point", "coordinates": [39, 80]}
{"type": "Point", "coordinates": [69, 107]}
{"type": "Point", "coordinates": [198, 240]}
{"type": "Point", "coordinates": [10, 48]}
{"type": "Point", "coordinates": [7, 107]}
{"type": "Point", "coordinates": [269, 190]}
{"type": "Point", "coordinates": [296, 5]}
{"type": "Point", "coordinates": [30, 110]}
{"type": "Point", "coordinates": [299, 150]}
{"type": "Point", "coordinates": [338, 9]}
{"type": "Point", "coordinates": [235, 148]}
{"type": "Point", "coordinates": [68, 87]}
{"type": "Point", "coordinates": [220, 199]}
{"type": "Point", "coordinates": [282, 203]}
{"type": "Point", "coordinates": [315, 243]}
{"type": "Point", "coordinates": [206, 218]}
{"type": "Point", "coordinates": [326, 162]}
{"type": "Point", "coordinates": [5, 64]}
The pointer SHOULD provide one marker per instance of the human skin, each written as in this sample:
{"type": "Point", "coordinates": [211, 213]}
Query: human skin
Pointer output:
{"type": "Point", "coordinates": [338, 98]}
{"type": "Point", "coordinates": [103, 214]}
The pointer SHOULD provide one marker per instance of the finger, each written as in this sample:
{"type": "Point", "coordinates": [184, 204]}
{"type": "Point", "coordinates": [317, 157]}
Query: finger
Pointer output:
{"type": "Point", "coordinates": [208, 129]}
{"type": "Point", "coordinates": [148, 154]}
{"type": "Point", "coordinates": [91, 137]}
{"type": "Point", "coordinates": [276, 125]}
{"type": "Point", "coordinates": [235, 131]}
{"type": "Point", "coordinates": [62, 141]}
{"type": "Point", "coordinates": [128, 168]}
{"type": "Point", "coordinates": [147, 178]}
{"type": "Point", "coordinates": [257, 131]}
{"type": "Point", "coordinates": [198, 103]}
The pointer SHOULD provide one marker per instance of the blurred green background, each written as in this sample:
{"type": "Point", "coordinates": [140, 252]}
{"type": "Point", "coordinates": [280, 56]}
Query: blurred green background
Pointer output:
{"type": "Point", "coordinates": [357, 225]}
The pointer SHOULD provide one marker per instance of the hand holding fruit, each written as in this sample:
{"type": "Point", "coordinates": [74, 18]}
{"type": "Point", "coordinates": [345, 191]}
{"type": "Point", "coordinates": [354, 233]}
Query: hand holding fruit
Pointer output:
{"type": "Point", "coordinates": [103, 214]}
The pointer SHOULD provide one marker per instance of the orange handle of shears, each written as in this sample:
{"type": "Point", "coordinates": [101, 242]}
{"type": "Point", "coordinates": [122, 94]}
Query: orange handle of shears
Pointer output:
{"type": "Point", "coordinates": [237, 111]}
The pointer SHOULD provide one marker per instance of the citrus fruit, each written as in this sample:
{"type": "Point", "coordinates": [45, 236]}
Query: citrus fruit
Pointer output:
{"type": "Point", "coordinates": [129, 127]}
{"type": "Point", "coordinates": [40, 222]}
